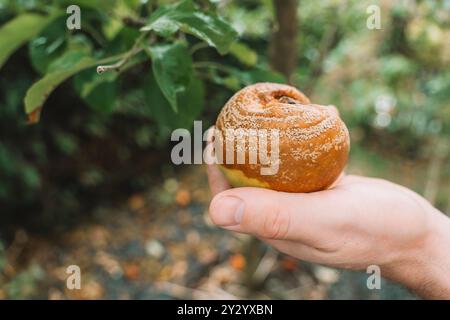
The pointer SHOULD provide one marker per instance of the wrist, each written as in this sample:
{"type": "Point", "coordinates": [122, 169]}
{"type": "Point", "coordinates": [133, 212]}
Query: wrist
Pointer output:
{"type": "Point", "coordinates": [425, 268]}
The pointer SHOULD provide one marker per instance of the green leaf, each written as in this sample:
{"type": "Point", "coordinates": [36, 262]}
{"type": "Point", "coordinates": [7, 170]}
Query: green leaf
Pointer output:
{"type": "Point", "coordinates": [210, 28]}
{"type": "Point", "coordinates": [100, 5]}
{"type": "Point", "coordinates": [98, 91]}
{"type": "Point", "coordinates": [244, 54]}
{"type": "Point", "coordinates": [63, 68]}
{"type": "Point", "coordinates": [18, 31]}
{"type": "Point", "coordinates": [30, 176]}
{"type": "Point", "coordinates": [231, 82]}
{"type": "Point", "coordinates": [172, 67]}
{"type": "Point", "coordinates": [66, 142]}
{"type": "Point", "coordinates": [185, 17]}
{"type": "Point", "coordinates": [43, 52]}
{"type": "Point", "coordinates": [165, 20]}
{"type": "Point", "coordinates": [258, 75]}
{"type": "Point", "coordinates": [236, 79]}
{"type": "Point", "coordinates": [48, 45]}
{"type": "Point", "coordinates": [132, 4]}
{"type": "Point", "coordinates": [68, 61]}
{"type": "Point", "coordinates": [86, 81]}
{"type": "Point", "coordinates": [393, 67]}
{"type": "Point", "coordinates": [191, 104]}
{"type": "Point", "coordinates": [103, 97]}
{"type": "Point", "coordinates": [122, 41]}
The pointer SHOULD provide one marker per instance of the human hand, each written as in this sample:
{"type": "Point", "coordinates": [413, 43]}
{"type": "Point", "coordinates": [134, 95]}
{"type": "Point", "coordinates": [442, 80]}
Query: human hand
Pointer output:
{"type": "Point", "coordinates": [358, 222]}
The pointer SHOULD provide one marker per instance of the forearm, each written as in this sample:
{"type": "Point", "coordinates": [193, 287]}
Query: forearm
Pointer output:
{"type": "Point", "coordinates": [426, 270]}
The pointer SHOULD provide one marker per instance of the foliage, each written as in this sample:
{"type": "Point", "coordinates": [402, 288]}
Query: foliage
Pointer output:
{"type": "Point", "coordinates": [156, 60]}
{"type": "Point", "coordinates": [396, 90]}
{"type": "Point", "coordinates": [167, 63]}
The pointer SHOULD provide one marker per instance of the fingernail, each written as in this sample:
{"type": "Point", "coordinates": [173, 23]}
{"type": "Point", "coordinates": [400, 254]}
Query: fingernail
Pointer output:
{"type": "Point", "coordinates": [227, 211]}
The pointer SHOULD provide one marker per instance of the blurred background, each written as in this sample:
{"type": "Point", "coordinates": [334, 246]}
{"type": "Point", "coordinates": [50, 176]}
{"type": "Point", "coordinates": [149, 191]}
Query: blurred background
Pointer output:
{"type": "Point", "coordinates": [91, 183]}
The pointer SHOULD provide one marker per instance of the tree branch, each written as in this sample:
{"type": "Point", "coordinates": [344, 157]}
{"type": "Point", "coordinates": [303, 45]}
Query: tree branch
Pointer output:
{"type": "Point", "coordinates": [283, 51]}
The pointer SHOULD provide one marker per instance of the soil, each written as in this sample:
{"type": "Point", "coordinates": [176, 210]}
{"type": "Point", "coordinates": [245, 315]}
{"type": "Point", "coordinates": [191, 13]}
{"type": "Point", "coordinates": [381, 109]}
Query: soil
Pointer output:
{"type": "Point", "coordinates": [160, 244]}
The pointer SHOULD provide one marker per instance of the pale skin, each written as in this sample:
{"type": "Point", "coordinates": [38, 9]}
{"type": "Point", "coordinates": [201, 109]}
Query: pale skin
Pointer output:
{"type": "Point", "coordinates": [358, 222]}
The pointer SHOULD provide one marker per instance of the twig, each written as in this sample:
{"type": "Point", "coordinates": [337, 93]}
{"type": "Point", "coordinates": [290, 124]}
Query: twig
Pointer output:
{"type": "Point", "coordinates": [265, 266]}
{"type": "Point", "coordinates": [434, 170]}
{"type": "Point", "coordinates": [183, 292]}
{"type": "Point", "coordinates": [329, 41]}
{"type": "Point", "coordinates": [118, 65]}
{"type": "Point", "coordinates": [133, 22]}
{"type": "Point", "coordinates": [95, 34]}
{"type": "Point", "coordinates": [283, 52]}
{"type": "Point", "coordinates": [213, 65]}
{"type": "Point", "coordinates": [198, 46]}
{"type": "Point", "coordinates": [317, 65]}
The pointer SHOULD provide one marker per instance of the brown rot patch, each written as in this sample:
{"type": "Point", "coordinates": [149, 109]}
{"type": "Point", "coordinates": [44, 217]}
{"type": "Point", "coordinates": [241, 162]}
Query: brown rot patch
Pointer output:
{"type": "Point", "coordinates": [287, 99]}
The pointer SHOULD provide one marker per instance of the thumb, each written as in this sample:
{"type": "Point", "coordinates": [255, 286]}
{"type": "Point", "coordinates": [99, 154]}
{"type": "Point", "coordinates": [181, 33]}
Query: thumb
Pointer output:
{"type": "Point", "coordinates": [275, 215]}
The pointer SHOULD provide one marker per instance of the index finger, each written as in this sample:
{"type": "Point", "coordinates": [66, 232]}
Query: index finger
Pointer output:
{"type": "Point", "coordinates": [216, 179]}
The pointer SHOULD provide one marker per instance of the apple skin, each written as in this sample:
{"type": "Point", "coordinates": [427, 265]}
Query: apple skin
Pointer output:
{"type": "Point", "coordinates": [313, 141]}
